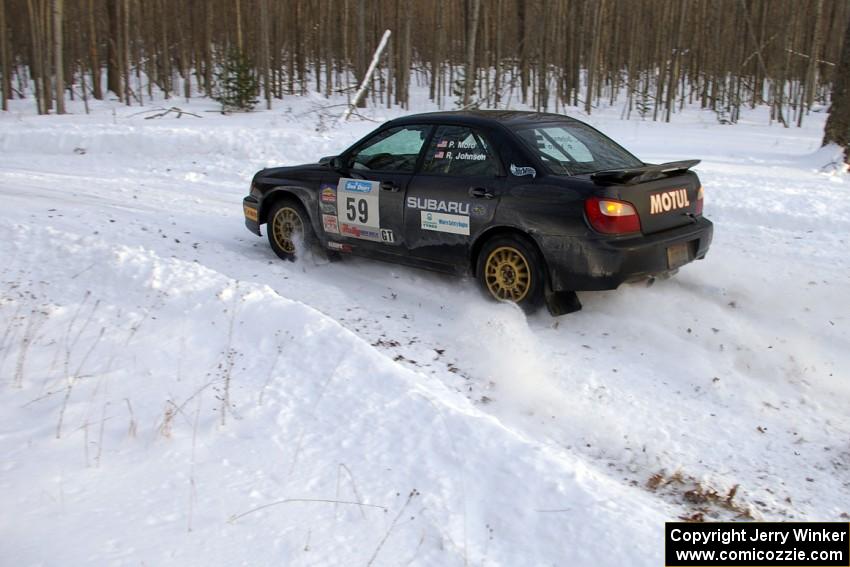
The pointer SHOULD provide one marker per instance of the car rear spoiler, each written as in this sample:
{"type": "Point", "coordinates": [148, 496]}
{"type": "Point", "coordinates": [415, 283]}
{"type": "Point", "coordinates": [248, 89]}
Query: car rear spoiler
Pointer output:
{"type": "Point", "coordinates": [639, 174]}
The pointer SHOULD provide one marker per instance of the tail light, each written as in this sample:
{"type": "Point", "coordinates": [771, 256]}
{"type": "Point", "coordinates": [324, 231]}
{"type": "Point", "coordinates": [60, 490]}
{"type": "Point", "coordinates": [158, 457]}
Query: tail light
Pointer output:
{"type": "Point", "coordinates": [611, 216]}
{"type": "Point", "coordinates": [700, 200]}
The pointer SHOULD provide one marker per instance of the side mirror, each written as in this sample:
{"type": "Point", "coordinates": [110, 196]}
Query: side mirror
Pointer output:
{"type": "Point", "coordinates": [337, 164]}
{"type": "Point", "coordinates": [326, 160]}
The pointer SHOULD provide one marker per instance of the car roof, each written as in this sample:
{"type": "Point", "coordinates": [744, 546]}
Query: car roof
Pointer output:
{"type": "Point", "coordinates": [483, 118]}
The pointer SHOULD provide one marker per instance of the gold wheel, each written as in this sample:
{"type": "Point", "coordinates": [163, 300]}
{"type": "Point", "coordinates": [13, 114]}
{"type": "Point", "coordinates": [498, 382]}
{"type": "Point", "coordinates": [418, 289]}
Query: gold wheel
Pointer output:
{"type": "Point", "coordinates": [287, 228]}
{"type": "Point", "coordinates": [507, 274]}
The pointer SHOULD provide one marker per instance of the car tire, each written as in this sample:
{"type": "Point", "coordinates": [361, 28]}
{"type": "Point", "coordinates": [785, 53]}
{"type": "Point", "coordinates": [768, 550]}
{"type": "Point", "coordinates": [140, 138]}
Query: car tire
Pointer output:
{"type": "Point", "coordinates": [289, 230]}
{"type": "Point", "coordinates": [510, 268]}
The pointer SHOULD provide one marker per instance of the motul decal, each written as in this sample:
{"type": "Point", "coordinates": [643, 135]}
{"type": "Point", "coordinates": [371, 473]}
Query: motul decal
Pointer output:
{"type": "Point", "coordinates": [668, 201]}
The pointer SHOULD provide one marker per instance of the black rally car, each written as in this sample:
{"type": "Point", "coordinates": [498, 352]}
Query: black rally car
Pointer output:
{"type": "Point", "coordinates": [536, 206]}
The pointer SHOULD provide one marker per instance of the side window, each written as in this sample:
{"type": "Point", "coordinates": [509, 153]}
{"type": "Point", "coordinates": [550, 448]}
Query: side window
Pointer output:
{"type": "Point", "coordinates": [458, 150]}
{"type": "Point", "coordinates": [562, 145]}
{"type": "Point", "coordinates": [395, 149]}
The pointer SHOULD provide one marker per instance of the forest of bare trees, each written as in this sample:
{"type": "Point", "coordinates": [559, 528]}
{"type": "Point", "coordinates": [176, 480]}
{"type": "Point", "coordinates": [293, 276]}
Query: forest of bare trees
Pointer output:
{"type": "Point", "coordinates": [653, 55]}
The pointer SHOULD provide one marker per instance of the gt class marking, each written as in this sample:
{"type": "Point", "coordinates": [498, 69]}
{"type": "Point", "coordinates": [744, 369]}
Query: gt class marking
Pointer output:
{"type": "Point", "coordinates": [455, 207]}
{"type": "Point", "coordinates": [441, 222]}
{"type": "Point", "coordinates": [387, 235]}
{"type": "Point", "coordinates": [668, 201]}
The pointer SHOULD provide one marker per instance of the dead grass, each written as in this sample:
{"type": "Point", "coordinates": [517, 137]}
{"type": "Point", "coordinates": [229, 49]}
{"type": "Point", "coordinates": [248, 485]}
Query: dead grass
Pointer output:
{"type": "Point", "coordinates": [702, 501]}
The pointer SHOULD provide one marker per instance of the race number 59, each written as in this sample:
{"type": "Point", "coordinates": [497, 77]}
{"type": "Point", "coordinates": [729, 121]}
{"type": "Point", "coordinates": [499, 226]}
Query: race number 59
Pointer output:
{"type": "Point", "coordinates": [357, 210]}
{"type": "Point", "coordinates": [359, 204]}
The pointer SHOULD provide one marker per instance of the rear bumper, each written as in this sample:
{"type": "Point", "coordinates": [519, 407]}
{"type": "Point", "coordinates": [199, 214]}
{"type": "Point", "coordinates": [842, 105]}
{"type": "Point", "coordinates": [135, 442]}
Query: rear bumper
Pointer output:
{"type": "Point", "coordinates": [251, 210]}
{"type": "Point", "coordinates": [598, 263]}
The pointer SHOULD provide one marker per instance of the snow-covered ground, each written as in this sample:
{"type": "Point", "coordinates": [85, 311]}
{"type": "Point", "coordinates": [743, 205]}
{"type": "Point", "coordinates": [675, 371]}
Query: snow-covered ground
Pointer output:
{"type": "Point", "coordinates": [173, 394]}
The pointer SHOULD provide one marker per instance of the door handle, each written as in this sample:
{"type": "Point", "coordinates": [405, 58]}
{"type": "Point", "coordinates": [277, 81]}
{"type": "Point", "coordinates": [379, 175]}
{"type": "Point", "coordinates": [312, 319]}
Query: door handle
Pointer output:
{"type": "Point", "coordinates": [480, 193]}
{"type": "Point", "coordinates": [389, 186]}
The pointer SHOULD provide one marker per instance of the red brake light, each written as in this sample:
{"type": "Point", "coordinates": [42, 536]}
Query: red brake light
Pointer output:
{"type": "Point", "coordinates": [700, 201]}
{"type": "Point", "coordinates": [611, 216]}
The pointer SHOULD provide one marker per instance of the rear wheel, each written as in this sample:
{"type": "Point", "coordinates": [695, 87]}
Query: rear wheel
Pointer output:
{"type": "Point", "coordinates": [510, 268]}
{"type": "Point", "coordinates": [289, 229]}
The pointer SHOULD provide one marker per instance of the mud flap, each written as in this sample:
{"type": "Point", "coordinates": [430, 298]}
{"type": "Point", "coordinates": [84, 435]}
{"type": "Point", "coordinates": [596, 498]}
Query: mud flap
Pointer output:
{"type": "Point", "coordinates": [562, 302]}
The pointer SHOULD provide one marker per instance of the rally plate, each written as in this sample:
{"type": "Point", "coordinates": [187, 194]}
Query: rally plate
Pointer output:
{"type": "Point", "coordinates": [677, 255]}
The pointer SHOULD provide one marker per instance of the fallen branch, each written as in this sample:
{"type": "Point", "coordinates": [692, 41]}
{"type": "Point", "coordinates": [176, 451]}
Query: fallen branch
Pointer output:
{"type": "Point", "coordinates": [160, 112]}
{"type": "Point", "coordinates": [235, 517]}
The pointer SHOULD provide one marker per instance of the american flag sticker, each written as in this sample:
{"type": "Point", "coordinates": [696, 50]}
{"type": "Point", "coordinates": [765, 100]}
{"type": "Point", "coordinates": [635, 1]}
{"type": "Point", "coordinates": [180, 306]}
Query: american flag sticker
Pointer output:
{"type": "Point", "coordinates": [439, 155]}
{"type": "Point", "coordinates": [442, 144]}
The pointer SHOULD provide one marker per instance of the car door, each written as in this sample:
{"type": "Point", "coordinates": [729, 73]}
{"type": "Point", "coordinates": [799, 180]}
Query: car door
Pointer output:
{"type": "Point", "coordinates": [454, 195]}
{"type": "Point", "coordinates": [364, 207]}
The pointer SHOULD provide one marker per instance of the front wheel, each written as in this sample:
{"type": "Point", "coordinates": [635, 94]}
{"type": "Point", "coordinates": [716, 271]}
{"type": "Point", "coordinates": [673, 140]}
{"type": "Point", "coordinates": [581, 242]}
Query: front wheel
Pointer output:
{"type": "Point", "coordinates": [289, 229]}
{"type": "Point", "coordinates": [510, 268]}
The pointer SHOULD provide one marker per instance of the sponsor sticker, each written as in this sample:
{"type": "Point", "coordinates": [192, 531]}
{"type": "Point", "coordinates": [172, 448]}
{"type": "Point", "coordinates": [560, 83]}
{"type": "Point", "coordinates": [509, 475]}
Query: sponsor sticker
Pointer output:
{"type": "Point", "coordinates": [328, 193]}
{"type": "Point", "coordinates": [442, 222]}
{"type": "Point", "coordinates": [668, 201]}
{"type": "Point", "coordinates": [330, 224]}
{"type": "Point", "coordinates": [358, 186]}
{"type": "Point", "coordinates": [328, 208]}
{"type": "Point", "coordinates": [361, 232]}
{"type": "Point", "coordinates": [387, 235]}
{"type": "Point", "coordinates": [339, 246]}
{"type": "Point", "coordinates": [250, 213]}
{"type": "Point", "coordinates": [455, 207]}
{"type": "Point", "coordinates": [520, 171]}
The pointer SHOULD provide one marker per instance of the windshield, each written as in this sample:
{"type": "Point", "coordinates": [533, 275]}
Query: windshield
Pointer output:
{"type": "Point", "coordinates": [571, 148]}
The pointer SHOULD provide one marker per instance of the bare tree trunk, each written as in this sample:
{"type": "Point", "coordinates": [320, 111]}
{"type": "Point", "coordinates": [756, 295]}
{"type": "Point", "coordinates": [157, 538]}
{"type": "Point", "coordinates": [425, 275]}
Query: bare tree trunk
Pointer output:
{"type": "Point", "coordinates": [329, 52]}
{"type": "Point", "coordinates": [594, 54]}
{"type": "Point", "coordinates": [46, 24]}
{"type": "Point", "coordinates": [239, 26]}
{"type": "Point", "coordinates": [59, 67]}
{"type": "Point", "coordinates": [674, 68]}
{"type": "Point", "coordinates": [360, 48]}
{"type": "Point", "coordinates": [838, 123]}
{"type": "Point", "coordinates": [37, 69]}
{"type": "Point", "coordinates": [497, 78]}
{"type": "Point", "coordinates": [113, 60]}
{"type": "Point", "coordinates": [437, 60]}
{"type": "Point", "coordinates": [125, 50]}
{"type": "Point", "coordinates": [264, 51]}
{"type": "Point", "coordinates": [361, 92]}
{"type": "Point", "coordinates": [471, 36]}
{"type": "Point", "coordinates": [166, 52]}
{"type": "Point", "coordinates": [93, 52]}
{"type": "Point", "coordinates": [814, 53]}
{"type": "Point", "coordinates": [5, 68]}
{"type": "Point", "coordinates": [522, 47]}
{"type": "Point", "coordinates": [543, 68]}
{"type": "Point", "coordinates": [405, 55]}
{"type": "Point", "coordinates": [208, 45]}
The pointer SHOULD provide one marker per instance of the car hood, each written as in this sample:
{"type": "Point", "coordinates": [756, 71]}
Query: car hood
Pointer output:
{"type": "Point", "coordinates": [291, 171]}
